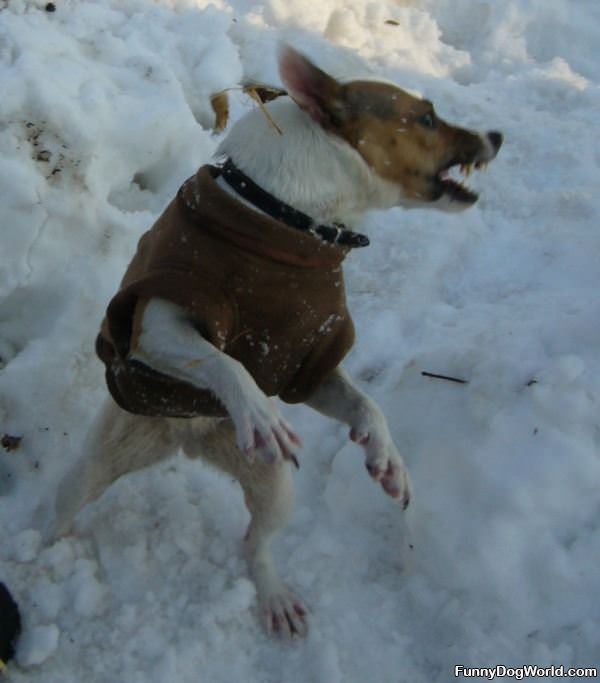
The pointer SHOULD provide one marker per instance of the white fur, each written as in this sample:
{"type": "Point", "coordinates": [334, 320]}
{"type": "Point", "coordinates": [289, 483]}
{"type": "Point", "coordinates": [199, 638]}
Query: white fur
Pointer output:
{"type": "Point", "coordinates": [337, 397]}
{"type": "Point", "coordinates": [326, 178]}
{"type": "Point", "coordinates": [316, 172]}
{"type": "Point", "coordinates": [313, 171]}
{"type": "Point", "coordinates": [168, 343]}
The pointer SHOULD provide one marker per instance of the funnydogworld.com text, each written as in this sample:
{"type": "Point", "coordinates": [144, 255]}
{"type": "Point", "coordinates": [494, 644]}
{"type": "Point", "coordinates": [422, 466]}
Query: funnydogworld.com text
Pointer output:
{"type": "Point", "coordinates": [521, 672]}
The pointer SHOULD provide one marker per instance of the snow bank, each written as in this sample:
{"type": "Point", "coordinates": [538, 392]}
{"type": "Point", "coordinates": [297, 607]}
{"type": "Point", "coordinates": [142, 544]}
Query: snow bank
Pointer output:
{"type": "Point", "coordinates": [104, 112]}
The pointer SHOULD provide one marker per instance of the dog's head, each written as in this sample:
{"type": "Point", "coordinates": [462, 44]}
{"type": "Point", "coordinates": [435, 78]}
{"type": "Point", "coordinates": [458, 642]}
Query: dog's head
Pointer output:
{"type": "Point", "coordinates": [398, 135]}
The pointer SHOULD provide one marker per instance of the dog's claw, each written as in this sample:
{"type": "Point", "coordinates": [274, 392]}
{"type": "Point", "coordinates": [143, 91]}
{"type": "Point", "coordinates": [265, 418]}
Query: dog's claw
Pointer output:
{"type": "Point", "coordinates": [406, 499]}
{"type": "Point", "coordinates": [261, 431]}
{"type": "Point", "coordinates": [374, 471]}
{"type": "Point", "coordinates": [285, 616]}
{"type": "Point", "coordinates": [383, 462]}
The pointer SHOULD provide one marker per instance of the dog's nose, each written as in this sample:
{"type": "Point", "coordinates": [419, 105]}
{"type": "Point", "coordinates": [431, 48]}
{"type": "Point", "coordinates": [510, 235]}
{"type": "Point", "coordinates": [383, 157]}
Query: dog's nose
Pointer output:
{"type": "Point", "coordinates": [496, 139]}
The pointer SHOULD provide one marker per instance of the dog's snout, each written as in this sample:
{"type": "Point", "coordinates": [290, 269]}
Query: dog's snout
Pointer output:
{"type": "Point", "coordinates": [491, 143]}
{"type": "Point", "coordinates": [495, 139]}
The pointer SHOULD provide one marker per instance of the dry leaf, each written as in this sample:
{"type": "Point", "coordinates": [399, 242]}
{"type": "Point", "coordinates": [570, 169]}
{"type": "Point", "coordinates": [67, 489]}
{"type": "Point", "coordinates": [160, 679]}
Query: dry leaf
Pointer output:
{"type": "Point", "coordinates": [220, 104]}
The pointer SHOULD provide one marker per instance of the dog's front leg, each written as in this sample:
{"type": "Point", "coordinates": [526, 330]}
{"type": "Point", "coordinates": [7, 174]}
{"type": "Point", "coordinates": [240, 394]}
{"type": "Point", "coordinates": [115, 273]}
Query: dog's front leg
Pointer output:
{"type": "Point", "coordinates": [168, 343]}
{"type": "Point", "coordinates": [339, 398]}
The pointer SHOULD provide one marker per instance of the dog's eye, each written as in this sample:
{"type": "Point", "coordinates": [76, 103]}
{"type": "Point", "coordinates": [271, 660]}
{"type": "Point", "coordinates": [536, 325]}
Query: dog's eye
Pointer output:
{"type": "Point", "coordinates": [427, 120]}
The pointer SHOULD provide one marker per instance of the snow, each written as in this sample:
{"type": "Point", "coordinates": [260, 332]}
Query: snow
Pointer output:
{"type": "Point", "coordinates": [38, 644]}
{"type": "Point", "coordinates": [104, 112]}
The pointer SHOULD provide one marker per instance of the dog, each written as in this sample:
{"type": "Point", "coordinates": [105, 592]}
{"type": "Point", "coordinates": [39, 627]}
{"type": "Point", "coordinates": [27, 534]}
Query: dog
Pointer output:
{"type": "Point", "coordinates": [236, 295]}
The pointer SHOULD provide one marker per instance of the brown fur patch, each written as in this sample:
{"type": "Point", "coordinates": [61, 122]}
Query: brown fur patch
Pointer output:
{"type": "Point", "coordinates": [383, 123]}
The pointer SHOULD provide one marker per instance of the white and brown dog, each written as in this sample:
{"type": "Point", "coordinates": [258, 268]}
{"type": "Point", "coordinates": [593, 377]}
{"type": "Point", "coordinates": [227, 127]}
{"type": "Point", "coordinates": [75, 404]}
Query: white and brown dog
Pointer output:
{"type": "Point", "coordinates": [236, 295]}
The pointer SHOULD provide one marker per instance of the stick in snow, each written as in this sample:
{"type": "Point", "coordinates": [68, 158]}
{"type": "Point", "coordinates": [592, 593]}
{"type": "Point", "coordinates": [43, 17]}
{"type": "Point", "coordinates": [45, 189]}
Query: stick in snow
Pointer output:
{"type": "Point", "coordinates": [449, 379]}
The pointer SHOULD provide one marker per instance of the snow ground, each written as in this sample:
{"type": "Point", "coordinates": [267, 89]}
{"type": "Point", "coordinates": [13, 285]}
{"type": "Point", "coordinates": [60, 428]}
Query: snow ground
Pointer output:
{"type": "Point", "coordinates": [104, 111]}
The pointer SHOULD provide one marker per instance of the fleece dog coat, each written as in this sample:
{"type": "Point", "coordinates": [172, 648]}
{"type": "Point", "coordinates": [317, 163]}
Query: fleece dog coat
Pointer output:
{"type": "Point", "coordinates": [268, 295]}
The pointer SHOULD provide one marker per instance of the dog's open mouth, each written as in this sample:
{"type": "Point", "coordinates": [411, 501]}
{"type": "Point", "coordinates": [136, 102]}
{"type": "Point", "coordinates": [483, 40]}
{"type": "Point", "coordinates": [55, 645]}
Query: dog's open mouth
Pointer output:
{"type": "Point", "coordinates": [455, 190]}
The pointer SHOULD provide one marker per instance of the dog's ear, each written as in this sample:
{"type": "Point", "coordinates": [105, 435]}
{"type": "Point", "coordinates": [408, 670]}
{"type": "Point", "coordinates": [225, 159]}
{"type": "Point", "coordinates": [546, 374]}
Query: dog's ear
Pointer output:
{"type": "Point", "coordinates": [312, 89]}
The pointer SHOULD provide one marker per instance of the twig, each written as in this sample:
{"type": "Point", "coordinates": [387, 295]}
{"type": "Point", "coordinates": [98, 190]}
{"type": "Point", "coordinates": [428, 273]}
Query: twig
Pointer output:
{"type": "Point", "coordinates": [446, 377]}
{"type": "Point", "coordinates": [259, 92]}
{"type": "Point", "coordinates": [251, 91]}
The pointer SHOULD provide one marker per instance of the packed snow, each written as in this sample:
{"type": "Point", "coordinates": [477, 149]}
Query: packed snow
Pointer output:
{"type": "Point", "coordinates": [104, 112]}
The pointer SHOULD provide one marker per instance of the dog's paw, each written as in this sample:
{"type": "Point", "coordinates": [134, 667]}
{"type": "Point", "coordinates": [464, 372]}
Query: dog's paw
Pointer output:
{"type": "Point", "coordinates": [284, 615]}
{"type": "Point", "coordinates": [384, 464]}
{"type": "Point", "coordinates": [261, 430]}
{"type": "Point", "coordinates": [259, 427]}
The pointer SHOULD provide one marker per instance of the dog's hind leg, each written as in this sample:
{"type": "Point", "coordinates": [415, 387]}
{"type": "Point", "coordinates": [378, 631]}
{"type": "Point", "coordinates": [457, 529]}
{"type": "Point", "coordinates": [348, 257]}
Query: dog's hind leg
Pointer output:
{"type": "Point", "coordinates": [117, 443]}
{"type": "Point", "coordinates": [269, 495]}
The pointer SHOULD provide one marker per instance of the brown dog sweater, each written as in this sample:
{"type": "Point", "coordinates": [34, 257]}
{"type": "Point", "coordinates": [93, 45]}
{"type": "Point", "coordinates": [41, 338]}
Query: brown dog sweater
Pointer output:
{"type": "Point", "coordinates": [266, 294]}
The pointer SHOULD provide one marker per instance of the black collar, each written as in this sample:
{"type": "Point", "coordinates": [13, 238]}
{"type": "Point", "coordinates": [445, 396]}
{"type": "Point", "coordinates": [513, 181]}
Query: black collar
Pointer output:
{"type": "Point", "coordinates": [249, 190]}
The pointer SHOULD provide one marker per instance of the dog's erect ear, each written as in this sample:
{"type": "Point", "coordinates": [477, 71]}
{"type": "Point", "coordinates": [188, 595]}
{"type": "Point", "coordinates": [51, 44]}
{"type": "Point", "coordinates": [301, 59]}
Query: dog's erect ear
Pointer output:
{"type": "Point", "coordinates": [313, 90]}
